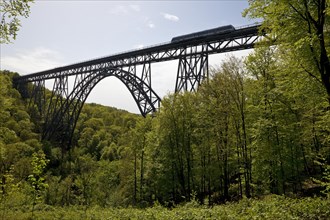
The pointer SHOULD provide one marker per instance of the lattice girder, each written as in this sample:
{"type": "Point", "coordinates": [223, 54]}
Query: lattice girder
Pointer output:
{"type": "Point", "coordinates": [65, 117]}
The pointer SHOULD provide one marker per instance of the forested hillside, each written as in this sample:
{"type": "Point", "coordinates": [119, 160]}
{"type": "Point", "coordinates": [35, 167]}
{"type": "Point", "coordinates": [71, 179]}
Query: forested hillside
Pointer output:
{"type": "Point", "coordinates": [252, 130]}
{"type": "Point", "coordinates": [252, 143]}
{"type": "Point", "coordinates": [102, 146]}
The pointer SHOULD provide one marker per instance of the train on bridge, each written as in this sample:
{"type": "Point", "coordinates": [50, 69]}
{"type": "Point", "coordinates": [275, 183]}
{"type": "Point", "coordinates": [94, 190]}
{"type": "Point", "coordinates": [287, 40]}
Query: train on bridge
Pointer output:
{"type": "Point", "coordinates": [203, 34]}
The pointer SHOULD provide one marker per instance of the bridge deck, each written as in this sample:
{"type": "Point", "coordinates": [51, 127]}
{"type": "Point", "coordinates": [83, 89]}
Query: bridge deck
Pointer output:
{"type": "Point", "coordinates": [241, 38]}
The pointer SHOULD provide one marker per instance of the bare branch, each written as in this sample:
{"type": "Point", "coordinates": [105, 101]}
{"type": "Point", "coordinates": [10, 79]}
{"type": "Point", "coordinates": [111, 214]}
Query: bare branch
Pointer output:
{"type": "Point", "coordinates": [298, 12]}
{"type": "Point", "coordinates": [316, 2]}
{"type": "Point", "coordinates": [309, 16]}
{"type": "Point", "coordinates": [310, 74]}
{"type": "Point", "coordinates": [311, 47]}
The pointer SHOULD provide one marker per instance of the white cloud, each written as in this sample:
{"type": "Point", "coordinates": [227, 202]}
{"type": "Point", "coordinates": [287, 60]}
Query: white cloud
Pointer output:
{"type": "Point", "coordinates": [124, 9]}
{"type": "Point", "coordinates": [32, 61]}
{"type": "Point", "coordinates": [170, 17]}
{"type": "Point", "coordinates": [135, 7]}
{"type": "Point", "coordinates": [151, 24]}
{"type": "Point", "coordinates": [119, 10]}
{"type": "Point", "coordinates": [138, 46]}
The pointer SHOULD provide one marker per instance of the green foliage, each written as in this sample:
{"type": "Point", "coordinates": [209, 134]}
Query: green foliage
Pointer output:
{"type": "Point", "coordinates": [36, 179]}
{"type": "Point", "coordinates": [257, 127]}
{"type": "Point", "coordinates": [272, 207]}
{"type": "Point", "coordinates": [17, 138]}
{"type": "Point", "coordinates": [39, 163]}
{"type": "Point", "coordinates": [326, 182]}
{"type": "Point", "coordinates": [8, 187]}
{"type": "Point", "coordinates": [11, 11]}
{"type": "Point", "coordinates": [301, 29]}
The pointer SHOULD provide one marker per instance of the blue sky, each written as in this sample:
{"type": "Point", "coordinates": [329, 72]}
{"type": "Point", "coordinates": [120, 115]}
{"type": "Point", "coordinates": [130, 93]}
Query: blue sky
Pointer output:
{"type": "Point", "coordinates": [59, 33]}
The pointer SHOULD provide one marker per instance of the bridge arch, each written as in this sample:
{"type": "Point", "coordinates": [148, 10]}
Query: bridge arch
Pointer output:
{"type": "Point", "coordinates": [60, 126]}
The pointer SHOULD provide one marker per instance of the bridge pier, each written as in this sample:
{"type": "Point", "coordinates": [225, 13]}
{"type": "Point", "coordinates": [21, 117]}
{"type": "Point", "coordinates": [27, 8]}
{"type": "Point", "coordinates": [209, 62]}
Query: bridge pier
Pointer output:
{"type": "Point", "coordinates": [192, 70]}
{"type": "Point", "coordinates": [38, 97]}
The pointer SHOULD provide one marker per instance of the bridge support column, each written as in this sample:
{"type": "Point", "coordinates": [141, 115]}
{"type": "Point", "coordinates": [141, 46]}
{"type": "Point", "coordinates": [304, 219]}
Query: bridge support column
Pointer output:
{"type": "Point", "coordinates": [146, 73]}
{"type": "Point", "coordinates": [148, 96]}
{"type": "Point", "coordinates": [146, 79]}
{"type": "Point", "coordinates": [38, 96]}
{"type": "Point", "coordinates": [132, 69]}
{"type": "Point", "coordinates": [58, 98]}
{"type": "Point", "coordinates": [192, 70]}
{"type": "Point", "coordinates": [23, 89]}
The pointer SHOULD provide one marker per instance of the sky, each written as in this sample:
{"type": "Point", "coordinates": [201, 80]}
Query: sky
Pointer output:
{"type": "Point", "coordinates": [58, 33]}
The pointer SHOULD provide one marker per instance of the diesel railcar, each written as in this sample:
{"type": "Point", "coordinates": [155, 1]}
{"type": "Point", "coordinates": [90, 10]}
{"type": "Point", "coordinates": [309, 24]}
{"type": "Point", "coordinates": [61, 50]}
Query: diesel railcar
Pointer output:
{"type": "Point", "coordinates": [202, 34]}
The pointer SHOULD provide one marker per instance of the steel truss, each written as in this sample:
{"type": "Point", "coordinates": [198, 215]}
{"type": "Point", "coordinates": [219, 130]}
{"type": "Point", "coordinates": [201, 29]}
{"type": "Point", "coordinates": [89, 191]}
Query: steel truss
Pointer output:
{"type": "Point", "coordinates": [64, 108]}
{"type": "Point", "coordinates": [62, 111]}
{"type": "Point", "coordinates": [192, 70]}
{"type": "Point", "coordinates": [38, 96]}
{"type": "Point", "coordinates": [240, 39]}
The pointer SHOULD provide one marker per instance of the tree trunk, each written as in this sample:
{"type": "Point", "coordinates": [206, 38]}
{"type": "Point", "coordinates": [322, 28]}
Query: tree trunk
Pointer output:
{"type": "Point", "coordinates": [142, 174]}
{"type": "Point", "coordinates": [324, 59]}
{"type": "Point", "coordinates": [226, 176]}
{"type": "Point", "coordinates": [135, 177]}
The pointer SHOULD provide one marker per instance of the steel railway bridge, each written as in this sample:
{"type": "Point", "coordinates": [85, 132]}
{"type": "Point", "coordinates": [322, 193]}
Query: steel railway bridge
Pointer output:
{"type": "Point", "coordinates": [61, 110]}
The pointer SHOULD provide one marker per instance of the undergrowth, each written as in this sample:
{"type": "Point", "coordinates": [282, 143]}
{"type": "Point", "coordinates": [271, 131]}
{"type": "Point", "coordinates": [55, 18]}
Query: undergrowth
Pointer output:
{"type": "Point", "coordinates": [271, 207]}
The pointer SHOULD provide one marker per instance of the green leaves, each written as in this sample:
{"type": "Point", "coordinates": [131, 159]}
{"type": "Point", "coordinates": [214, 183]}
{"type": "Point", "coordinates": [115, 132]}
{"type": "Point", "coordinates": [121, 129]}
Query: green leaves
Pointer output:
{"type": "Point", "coordinates": [36, 179]}
{"type": "Point", "coordinates": [302, 29]}
{"type": "Point", "coordinates": [11, 11]}
{"type": "Point", "coordinates": [271, 207]}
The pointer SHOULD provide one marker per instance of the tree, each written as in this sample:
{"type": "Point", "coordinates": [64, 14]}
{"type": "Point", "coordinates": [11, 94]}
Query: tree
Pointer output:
{"type": "Point", "coordinates": [86, 168]}
{"type": "Point", "coordinates": [8, 187]}
{"type": "Point", "coordinates": [217, 108]}
{"type": "Point", "coordinates": [265, 120]}
{"type": "Point", "coordinates": [302, 29]}
{"type": "Point", "coordinates": [176, 142]}
{"type": "Point", "coordinates": [139, 144]}
{"type": "Point", "coordinates": [36, 179]}
{"type": "Point", "coordinates": [10, 11]}
{"type": "Point", "coordinates": [223, 111]}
